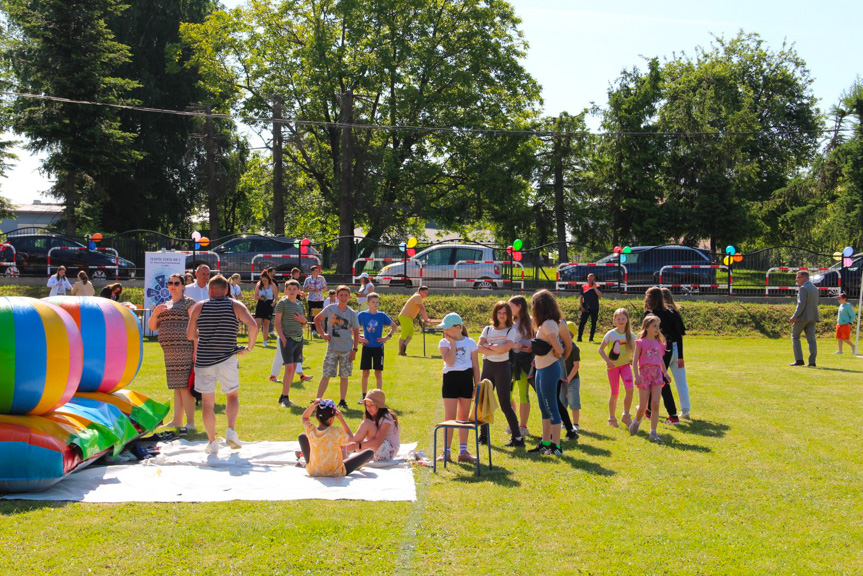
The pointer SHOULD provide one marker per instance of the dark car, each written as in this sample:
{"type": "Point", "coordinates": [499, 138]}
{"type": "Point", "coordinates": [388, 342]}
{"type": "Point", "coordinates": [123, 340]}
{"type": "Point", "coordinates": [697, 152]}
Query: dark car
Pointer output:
{"type": "Point", "coordinates": [236, 256]}
{"type": "Point", "coordinates": [33, 251]}
{"type": "Point", "coordinates": [850, 278]}
{"type": "Point", "coordinates": [641, 267]}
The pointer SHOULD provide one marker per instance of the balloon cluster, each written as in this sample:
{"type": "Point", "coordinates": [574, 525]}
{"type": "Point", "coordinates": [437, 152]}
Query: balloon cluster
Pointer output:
{"type": "Point", "coordinates": [515, 249]}
{"type": "Point", "coordinates": [845, 256]}
{"type": "Point", "coordinates": [622, 252]}
{"type": "Point", "coordinates": [303, 245]}
{"type": "Point", "coordinates": [94, 239]}
{"type": "Point", "coordinates": [409, 247]}
{"type": "Point", "coordinates": [731, 256]}
{"type": "Point", "coordinates": [200, 241]}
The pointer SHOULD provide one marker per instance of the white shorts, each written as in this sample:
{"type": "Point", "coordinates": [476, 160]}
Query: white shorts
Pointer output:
{"type": "Point", "coordinates": [227, 373]}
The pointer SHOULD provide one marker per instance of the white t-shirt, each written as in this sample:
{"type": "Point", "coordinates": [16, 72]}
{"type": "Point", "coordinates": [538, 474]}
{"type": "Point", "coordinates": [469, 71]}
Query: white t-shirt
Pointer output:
{"type": "Point", "coordinates": [463, 349]}
{"type": "Point", "coordinates": [498, 336]}
{"type": "Point", "coordinates": [58, 285]}
{"type": "Point", "coordinates": [197, 293]}
{"type": "Point", "coordinates": [394, 434]}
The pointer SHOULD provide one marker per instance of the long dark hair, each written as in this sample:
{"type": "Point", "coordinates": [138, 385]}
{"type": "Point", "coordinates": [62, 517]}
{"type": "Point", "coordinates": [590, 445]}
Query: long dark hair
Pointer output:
{"type": "Point", "coordinates": [525, 326]}
{"type": "Point", "coordinates": [543, 306]}
{"type": "Point", "coordinates": [261, 281]}
{"type": "Point", "coordinates": [382, 413]}
{"type": "Point", "coordinates": [653, 300]}
{"type": "Point", "coordinates": [668, 298]}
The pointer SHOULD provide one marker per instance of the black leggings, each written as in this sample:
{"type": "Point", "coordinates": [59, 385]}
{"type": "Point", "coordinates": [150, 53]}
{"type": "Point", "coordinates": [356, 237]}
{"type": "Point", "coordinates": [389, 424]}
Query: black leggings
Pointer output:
{"type": "Point", "coordinates": [667, 394]}
{"type": "Point", "coordinates": [500, 375]}
{"type": "Point", "coordinates": [564, 415]}
{"type": "Point", "coordinates": [593, 315]}
{"type": "Point", "coordinates": [352, 462]}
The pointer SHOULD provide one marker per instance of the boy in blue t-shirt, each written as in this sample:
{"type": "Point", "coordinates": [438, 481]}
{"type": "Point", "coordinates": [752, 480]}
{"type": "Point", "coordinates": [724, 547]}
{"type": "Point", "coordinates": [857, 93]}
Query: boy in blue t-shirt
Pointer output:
{"type": "Point", "coordinates": [372, 323]}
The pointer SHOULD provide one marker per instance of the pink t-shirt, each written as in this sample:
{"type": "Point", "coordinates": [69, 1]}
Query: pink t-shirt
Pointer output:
{"type": "Point", "coordinates": [651, 351]}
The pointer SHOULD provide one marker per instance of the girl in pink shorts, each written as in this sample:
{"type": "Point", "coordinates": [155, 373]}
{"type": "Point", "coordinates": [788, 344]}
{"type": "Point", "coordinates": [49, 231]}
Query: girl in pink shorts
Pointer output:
{"type": "Point", "coordinates": [650, 373]}
{"type": "Point", "coordinates": [616, 350]}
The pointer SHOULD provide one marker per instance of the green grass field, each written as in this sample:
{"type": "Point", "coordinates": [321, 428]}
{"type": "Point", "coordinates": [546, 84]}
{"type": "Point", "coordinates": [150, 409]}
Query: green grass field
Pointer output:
{"type": "Point", "coordinates": [767, 478]}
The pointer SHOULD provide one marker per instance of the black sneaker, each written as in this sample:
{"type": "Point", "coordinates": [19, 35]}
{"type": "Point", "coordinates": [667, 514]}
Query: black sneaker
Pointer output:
{"type": "Point", "coordinates": [572, 434]}
{"type": "Point", "coordinates": [343, 405]}
{"type": "Point", "coordinates": [515, 443]}
{"type": "Point", "coordinates": [284, 402]}
{"type": "Point", "coordinates": [553, 450]}
{"type": "Point", "coordinates": [539, 448]}
{"type": "Point", "coordinates": [483, 440]}
{"type": "Point", "coordinates": [361, 400]}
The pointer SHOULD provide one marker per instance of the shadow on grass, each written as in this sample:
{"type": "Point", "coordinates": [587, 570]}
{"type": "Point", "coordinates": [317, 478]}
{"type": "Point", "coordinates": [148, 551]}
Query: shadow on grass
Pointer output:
{"type": "Point", "coordinates": [577, 463]}
{"type": "Point", "coordinates": [590, 450]}
{"type": "Point", "coordinates": [11, 507]}
{"type": "Point", "coordinates": [594, 435]}
{"type": "Point", "coordinates": [497, 475]}
{"type": "Point", "coordinates": [219, 409]}
{"type": "Point", "coordinates": [837, 370]}
{"type": "Point", "coordinates": [704, 428]}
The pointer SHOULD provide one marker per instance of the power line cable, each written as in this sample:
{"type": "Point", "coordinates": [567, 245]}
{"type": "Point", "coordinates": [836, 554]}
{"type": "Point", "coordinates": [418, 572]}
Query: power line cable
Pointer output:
{"type": "Point", "coordinates": [409, 128]}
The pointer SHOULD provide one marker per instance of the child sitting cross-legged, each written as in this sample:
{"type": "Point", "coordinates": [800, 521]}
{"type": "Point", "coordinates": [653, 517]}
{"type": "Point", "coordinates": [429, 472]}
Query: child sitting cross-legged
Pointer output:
{"type": "Point", "coordinates": [380, 431]}
{"type": "Point", "coordinates": [324, 445]}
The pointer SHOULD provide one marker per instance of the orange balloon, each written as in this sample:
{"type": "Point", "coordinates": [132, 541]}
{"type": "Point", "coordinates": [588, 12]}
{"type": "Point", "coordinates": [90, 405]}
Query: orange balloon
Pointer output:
{"type": "Point", "coordinates": [96, 237]}
{"type": "Point", "coordinates": [204, 241]}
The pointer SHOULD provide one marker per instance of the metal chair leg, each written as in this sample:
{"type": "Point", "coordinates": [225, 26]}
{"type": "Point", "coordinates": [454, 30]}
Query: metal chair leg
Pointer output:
{"type": "Point", "coordinates": [476, 437]}
{"type": "Point", "coordinates": [434, 454]}
{"type": "Point", "coordinates": [489, 452]}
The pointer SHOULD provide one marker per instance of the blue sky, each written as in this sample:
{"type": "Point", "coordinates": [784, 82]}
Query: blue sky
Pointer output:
{"type": "Point", "coordinates": [577, 48]}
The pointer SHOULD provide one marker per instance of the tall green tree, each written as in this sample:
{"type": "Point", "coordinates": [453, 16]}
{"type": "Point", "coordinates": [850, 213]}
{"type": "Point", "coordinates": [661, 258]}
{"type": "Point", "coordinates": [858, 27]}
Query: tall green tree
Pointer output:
{"type": "Point", "coordinates": [626, 203]}
{"type": "Point", "coordinates": [406, 63]}
{"type": "Point", "coordinates": [161, 180]}
{"type": "Point", "coordinates": [65, 48]}
{"type": "Point", "coordinates": [749, 124]}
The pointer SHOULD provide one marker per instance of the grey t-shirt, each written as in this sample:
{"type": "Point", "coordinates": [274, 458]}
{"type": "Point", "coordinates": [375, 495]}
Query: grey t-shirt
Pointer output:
{"type": "Point", "coordinates": [287, 309]}
{"type": "Point", "coordinates": [340, 325]}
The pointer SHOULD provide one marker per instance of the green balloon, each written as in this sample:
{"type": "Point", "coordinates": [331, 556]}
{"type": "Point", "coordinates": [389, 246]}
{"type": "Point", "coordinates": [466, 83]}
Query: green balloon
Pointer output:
{"type": "Point", "coordinates": [627, 250]}
{"type": "Point", "coordinates": [517, 244]}
{"type": "Point", "coordinates": [296, 243]}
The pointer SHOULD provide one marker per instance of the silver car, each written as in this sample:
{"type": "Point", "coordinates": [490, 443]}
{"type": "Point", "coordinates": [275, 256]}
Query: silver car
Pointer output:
{"type": "Point", "coordinates": [434, 267]}
{"type": "Point", "coordinates": [236, 256]}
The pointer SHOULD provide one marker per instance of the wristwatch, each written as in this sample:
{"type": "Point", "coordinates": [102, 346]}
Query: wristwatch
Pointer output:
{"type": "Point", "coordinates": [355, 349]}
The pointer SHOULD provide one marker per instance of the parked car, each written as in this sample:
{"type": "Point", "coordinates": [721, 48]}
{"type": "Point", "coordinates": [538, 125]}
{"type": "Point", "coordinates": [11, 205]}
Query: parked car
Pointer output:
{"type": "Point", "coordinates": [643, 265]}
{"type": "Point", "coordinates": [850, 278]}
{"type": "Point", "coordinates": [33, 251]}
{"type": "Point", "coordinates": [235, 256]}
{"type": "Point", "coordinates": [437, 268]}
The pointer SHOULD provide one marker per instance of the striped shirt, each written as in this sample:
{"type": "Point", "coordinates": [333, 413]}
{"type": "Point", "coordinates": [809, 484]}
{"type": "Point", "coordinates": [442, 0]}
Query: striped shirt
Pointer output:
{"type": "Point", "coordinates": [217, 332]}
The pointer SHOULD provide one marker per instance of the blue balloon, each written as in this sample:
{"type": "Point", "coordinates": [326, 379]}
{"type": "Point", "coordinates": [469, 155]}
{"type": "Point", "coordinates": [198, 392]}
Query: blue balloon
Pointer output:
{"type": "Point", "coordinates": [403, 246]}
{"type": "Point", "coordinates": [730, 250]}
{"type": "Point", "coordinates": [91, 245]}
{"type": "Point", "coordinates": [197, 246]}
{"type": "Point", "coordinates": [848, 252]}
{"type": "Point", "coordinates": [622, 258]}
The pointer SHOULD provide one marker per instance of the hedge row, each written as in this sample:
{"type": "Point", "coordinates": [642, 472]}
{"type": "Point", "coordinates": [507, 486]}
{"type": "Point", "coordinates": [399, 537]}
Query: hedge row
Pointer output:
{"type": "Point", "coordinates": [730, 318]}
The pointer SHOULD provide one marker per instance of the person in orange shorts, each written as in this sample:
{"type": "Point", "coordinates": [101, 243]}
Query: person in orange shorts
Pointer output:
{"type": "Point", "coordinates": [845, 318]}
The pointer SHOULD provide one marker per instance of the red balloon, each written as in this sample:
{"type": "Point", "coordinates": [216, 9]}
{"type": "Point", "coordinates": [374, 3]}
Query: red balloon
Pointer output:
{"type": "Point", "coordinates": [304, 249]}
{"type": "Point", "coordinates": [516, 256]}
{"type": "Point", "coordinates": [411, 252]}
{"type": "Point", "coordinates": [509, 249]}
{"type": "Point", "coordinates": [305, 242]}
{"type": "Point", "coordinates": [618, 249]}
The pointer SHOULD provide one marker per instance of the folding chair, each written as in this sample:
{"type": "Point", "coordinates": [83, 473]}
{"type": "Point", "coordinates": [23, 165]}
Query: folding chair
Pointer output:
{"type": "Point", "coordinates": [474, 425]}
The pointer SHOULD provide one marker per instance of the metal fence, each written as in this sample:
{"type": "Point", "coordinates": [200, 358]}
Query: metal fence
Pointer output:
{"type": "Point", "coordinates": [460, 263]}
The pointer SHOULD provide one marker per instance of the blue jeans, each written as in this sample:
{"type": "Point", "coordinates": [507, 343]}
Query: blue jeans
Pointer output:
{"type": "Point", "coordinates": [679, 375]}
{"type": "Point", "coordinates": [546, 392]}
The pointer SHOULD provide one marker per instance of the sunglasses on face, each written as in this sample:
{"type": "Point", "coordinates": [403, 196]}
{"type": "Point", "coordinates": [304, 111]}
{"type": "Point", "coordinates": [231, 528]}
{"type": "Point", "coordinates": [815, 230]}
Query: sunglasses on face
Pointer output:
{"type": "Point", "coordinates": [175, 283]}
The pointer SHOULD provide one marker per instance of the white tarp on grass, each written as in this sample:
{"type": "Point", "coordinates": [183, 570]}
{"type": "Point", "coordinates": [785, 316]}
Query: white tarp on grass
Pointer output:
{"type": "Point", "coordinates": [259, 471]}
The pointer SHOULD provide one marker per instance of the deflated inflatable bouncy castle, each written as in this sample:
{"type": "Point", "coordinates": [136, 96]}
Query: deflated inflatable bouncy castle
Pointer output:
{"type": "Point", "coordinates": [64, 364]}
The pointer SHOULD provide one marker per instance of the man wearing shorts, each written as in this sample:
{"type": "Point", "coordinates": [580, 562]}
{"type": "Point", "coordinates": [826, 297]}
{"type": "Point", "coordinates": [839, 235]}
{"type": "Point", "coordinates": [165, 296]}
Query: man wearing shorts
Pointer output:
{"type": "Point", "coordinates": [412, 308]}
{"type": "Point", "coordinates": [290, 319]}
{"type": "Point", "coordinates": [373, 341]}
{"type": "Point", "coordinates": [213, 327]}
{"type": "Point", "coordinates": [314, 287]}
{"type": "Point", "coordinates": [342, 333]}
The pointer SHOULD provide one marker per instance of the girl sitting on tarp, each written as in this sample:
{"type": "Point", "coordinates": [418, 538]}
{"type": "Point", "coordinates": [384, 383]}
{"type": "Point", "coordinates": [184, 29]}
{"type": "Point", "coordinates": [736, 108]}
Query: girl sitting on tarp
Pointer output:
{"type": "Point", "coordinates": [380, 430]}
{"type": "Point", "coordinates": [324, 446]}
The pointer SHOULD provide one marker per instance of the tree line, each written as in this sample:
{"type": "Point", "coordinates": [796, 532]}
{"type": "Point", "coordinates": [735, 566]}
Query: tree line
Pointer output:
{"type": "Point", "coordinates": [388, 115]}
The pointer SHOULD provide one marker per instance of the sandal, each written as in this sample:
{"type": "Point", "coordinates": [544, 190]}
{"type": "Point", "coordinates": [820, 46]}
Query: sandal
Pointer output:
{"type": "Point", "coordinates": [613, 422]}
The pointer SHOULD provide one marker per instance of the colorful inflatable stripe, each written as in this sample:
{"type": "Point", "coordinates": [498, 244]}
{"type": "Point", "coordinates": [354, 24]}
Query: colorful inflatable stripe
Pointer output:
{"type": "Point", "coordinates": [111, 338]}
{"type": "Point", "coordinates": [40, 356]}
{"type": "Point", "coordinates": [144, 412]}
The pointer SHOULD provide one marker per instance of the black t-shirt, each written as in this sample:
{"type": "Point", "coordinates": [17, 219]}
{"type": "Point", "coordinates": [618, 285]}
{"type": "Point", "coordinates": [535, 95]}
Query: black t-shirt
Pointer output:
{"type": "Point", "coordinates": [574, 356]}
{"type": "Point", "coordinates": [590, 296]}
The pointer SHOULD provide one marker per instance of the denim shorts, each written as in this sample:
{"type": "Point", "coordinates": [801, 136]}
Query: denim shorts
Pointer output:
{"type": "Point", "coordinates": [570, 394]}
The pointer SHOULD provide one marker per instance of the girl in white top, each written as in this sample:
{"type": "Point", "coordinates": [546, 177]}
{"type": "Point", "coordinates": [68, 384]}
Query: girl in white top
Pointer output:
{"type": "Point", "coordinates": [460, 378]}
{"type": "Point", "coordinates": [495, 342]}
{"type": "Point", "coordinates": [366, 288]}
{"type": "Point", "coordinates": [58, 283]}
{"type": "Point", "coordinates": [236, 290]}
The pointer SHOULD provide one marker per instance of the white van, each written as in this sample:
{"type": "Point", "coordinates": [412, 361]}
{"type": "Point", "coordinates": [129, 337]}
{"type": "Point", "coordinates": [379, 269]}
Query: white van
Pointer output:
{"type": "Point", "coordinates": [438, 263]}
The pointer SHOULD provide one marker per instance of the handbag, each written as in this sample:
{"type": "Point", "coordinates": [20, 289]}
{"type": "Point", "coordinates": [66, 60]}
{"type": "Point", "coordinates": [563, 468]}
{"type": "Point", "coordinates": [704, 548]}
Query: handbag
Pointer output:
{"type": "Point", "coordinates": [540, 347]}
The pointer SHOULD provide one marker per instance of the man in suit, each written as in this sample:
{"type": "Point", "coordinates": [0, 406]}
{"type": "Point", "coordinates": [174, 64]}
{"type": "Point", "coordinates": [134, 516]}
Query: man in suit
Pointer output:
{"type": "Point", "coordinates": [804, 319]}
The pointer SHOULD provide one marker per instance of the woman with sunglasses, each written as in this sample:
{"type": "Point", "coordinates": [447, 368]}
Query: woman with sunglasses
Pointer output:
{"type": "Point", "coordinates": [171, 318]}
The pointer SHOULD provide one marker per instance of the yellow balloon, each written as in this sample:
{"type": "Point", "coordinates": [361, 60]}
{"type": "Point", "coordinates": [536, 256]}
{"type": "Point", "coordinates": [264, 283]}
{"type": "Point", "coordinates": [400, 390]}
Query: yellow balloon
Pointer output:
{"type": "Point", "coordinates": [837, 256]}
{"type": "Point", "coordinates": [727, 260]}
{"type": "Point", "coordinates": [412, 243]}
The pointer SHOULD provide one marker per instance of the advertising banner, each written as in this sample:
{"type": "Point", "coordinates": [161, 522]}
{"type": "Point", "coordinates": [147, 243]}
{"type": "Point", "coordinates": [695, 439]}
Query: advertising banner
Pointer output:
{"type": "Point", "coordinates": [158, 266]}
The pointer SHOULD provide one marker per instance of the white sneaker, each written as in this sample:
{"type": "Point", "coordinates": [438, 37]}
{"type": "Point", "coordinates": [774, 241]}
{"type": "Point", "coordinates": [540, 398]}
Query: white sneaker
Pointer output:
{"type": "Point", "coordinates": [212, 447]}
{"type": "Point", "coordinates": [838, 352]}
{"type": "Point", "coordinates": [685, 415]}
{"type": "Point", "coordinates": [523, 431]}
{"type": "Point", "coordinates": [654, 437]}
{"type": "Point", "coordinates": [232, 440]}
